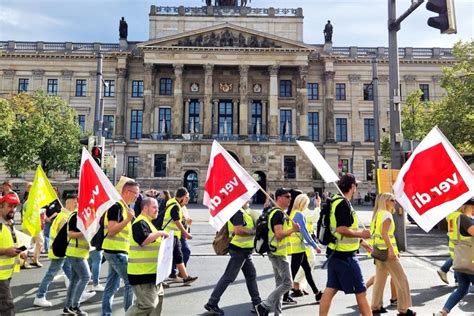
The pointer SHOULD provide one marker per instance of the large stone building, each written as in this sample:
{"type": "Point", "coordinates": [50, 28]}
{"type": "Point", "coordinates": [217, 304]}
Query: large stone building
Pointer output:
{"type": "Point", "coordinates": [240, 75]}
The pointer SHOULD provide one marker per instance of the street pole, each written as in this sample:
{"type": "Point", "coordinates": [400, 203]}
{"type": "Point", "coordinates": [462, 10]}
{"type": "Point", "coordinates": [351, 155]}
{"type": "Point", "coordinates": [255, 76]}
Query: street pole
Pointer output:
{"type": "Point", "coordinates": [375, 95]}
{"type": "Point", "coordinates": [99, 115]}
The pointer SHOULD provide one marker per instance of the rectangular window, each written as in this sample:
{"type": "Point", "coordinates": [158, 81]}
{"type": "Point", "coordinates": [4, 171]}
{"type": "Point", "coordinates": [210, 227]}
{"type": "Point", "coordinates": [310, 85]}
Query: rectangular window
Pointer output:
{"type": "Point", "coordinates": [425, 88]}
{"type": "Point", "coordinates": [52, 86]}
{"type": "Point", "coordinates": [313, 126]}
{"type": "Point", "coordinates": [160, 166]}
{"type": "Point", "coordinates": [285, 88]}
{"type": "Point", "coordinates": [256, 120]}
{"type": "Point", "coordinates": [369, 170]}
{"type": "Point", "coordinates": [289, 167]}
{"type": "Point", "coordinates": [313, 91]}
{"type": "Point", "coordinates": [164, 124]}
{"type": "Point", "coordinates": [108, 126]}
{"type": "Point", "coordinates": [343, 166]}
{"type": "Point", "coordinates": [137, 89]}
{"type": "Point", "coordinates": [315, 175]}
{"type": "Point", "coordinates": [194, 109]}
{"type": "Point", "coordinates": [23, 85]}
{"type": "Point", "coordinates": [109, 88]}
{"type": "Point", "coordinates": [369, 130]}
{"type": "Point", "coordinates": [136, 124]}
{"type": "Point", "coordinates": [132, 167]}
{"type": "Point", "coordinates": [81, 88]}
{"type": "Point", "coordinates": [286, 125]}
{"type": "Point", "coordinates": [368, 92]}
{"type": "Point", "coordinates": [340, 91]}
{"type": "Point", "coordinates": [81, 120]}
{"type": "Point", "coordinates": [165, 86]}
{"type": "Point", "coordinates": [225, 117]}
{"type": "Point", "coordinates": [341, 130]}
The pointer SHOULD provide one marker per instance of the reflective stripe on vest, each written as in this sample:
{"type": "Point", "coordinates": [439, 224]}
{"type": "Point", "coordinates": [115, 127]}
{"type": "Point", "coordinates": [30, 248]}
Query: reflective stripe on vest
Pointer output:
{"type": "Point", "coordinates": [282, 246]}
{"type": "Point", "coordinates": [121, 240]}
{"type": "Point", "coordinates": [296, 239]}
{"type": "Point", "coordinates": [58, 223]}
{"type": "Point", "coordinates": [8, 265]}
{"type": "Point", "coordinates": [172, 225]}
{"type": "Point", "coordinates": [377, 235]}
{"type": "Point", "coordinates": [143, 259]}
{"type": "Point", "coordinates": [246, 241]}
{"type": "Point", "coordinates": [77, 247]}
{"type": "Point", "coordinates": [343, 243]}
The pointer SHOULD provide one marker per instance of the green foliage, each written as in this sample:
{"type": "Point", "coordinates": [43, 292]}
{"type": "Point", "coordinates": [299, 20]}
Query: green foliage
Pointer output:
{"type": "Point", "coordinates": [385, 149]}
{"type": "Point", "coordinates": [45, 132]}
{"type": "Point", "coordinates": [416, 117]}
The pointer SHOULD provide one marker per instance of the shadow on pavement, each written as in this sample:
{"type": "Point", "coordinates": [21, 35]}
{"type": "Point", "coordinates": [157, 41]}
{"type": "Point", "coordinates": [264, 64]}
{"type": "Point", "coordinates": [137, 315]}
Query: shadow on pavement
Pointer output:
{"type": "Point", "coordinates": [421, 296]}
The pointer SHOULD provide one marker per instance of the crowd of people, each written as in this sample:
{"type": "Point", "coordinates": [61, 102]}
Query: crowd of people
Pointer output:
{"type": "Point", "coordinates": [132, 230]}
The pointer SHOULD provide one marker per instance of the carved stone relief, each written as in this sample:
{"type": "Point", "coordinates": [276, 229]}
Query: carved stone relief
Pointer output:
{"type": "Point", "coordinates": [226, 38]}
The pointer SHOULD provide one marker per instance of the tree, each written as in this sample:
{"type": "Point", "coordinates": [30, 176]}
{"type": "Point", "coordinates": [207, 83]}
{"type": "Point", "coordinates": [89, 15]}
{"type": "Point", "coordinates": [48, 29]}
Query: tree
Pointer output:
{"type": "Point", "coordinates": [416, 116]}
{"type": "Point", "coordinates": [45, 132]}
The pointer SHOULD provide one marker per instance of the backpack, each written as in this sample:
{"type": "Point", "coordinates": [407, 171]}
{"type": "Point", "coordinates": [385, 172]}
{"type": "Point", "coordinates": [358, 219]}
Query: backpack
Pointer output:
{"type": "Point", "coordinates": [222, 241]}
{"type": "Point", "coordinates": [99, 237]}
{"type": "Point", "coordinates": [261, 243]}
{"type": "Point", "coordinates": [323, 231]}
{"type": "Point", "coordinates": [60, 242]}
{"type": "Point", "coordinates": [158, 222]}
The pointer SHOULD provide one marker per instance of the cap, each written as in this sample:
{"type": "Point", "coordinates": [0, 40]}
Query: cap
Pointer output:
{"type": "Point", "coordinates": [470, 201]}
{"type": "Point", "coordinates": [11, 198]}
{"type": "Point", "coordinates": [281, 191]}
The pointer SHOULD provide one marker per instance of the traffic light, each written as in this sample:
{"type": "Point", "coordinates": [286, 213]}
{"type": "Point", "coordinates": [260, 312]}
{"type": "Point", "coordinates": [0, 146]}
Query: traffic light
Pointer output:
{"type": "Point", "coordinates": [445, 22]}
{"type": "Point", "coordinates": [97, 153]}
{"type": "Point", "coordinates": [89, 142]}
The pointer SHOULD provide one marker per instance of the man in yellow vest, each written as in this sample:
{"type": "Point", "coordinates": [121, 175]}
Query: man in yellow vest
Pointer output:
{"type": "Point", "coordinates": [117, 228]}
{"type": "Point", "coordinates": [142, 261]}
{"type": "Point", "coordinates": [242, 233]}
{"type": "Point", "coordinates": [344, 271]}
{"type": "Point", "coordinates": [173, 222]}
{"type": "Point", "coordinates": [9, 253]}
{"type": "Point", "coordinates": [280, 228]}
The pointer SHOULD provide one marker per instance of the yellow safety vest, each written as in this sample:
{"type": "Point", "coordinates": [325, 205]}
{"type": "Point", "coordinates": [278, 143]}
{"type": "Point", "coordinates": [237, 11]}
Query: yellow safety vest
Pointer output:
{"type": "Point", "coordinates": [8, 265]}
{"type": "Point", "coordinates": [296, 239]}
{"type": "Point", "coordinates": [172, 225]}
{"type": "Point", "coordinates": [58, 223]}
{"type": "Point", "coordinates": [376, 227]}
{"type": "Point", "coordinates": [77, 247]}
{"type": "Point", "coordinates": [343, 243]}
{"type": "Point", "coordinates": [453, 220]}
{"type": "Point", "coordinates": [282, 246]}
{"type": "Point", "coordinates": [121, 240]}
{"type": "Point", "coordinates": [242, 241]}
{"type": "Point", "coordinates": [143, 259]}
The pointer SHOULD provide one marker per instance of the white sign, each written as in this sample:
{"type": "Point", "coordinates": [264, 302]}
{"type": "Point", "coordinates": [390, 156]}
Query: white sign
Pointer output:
{"type": "Point", "coordinates": [165, 258]}
{"type": "Point", "coordinates": [318, 161]}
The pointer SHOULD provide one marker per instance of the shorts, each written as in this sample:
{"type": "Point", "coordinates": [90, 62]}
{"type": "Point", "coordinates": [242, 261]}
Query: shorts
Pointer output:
{"type": "Point", "coordinates": [345, 275]}
{"type": "Point", "coordinates": [177, 252]}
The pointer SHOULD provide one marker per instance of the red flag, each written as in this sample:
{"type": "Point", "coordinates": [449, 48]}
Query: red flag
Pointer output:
{"type": "Point", "coordinates": [96, 196]}
{"type": "Point", "coordinates": [434, 182]}
{"type": "Point", "coordinates": [228, 186]}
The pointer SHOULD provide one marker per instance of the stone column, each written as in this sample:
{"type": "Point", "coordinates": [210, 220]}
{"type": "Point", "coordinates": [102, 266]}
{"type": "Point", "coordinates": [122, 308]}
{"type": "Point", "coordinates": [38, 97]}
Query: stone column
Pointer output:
{"type": "Point", "coordinates": [186, 116]}
{"type": "Point", "coordinates": [37, 84]}
{"type": "Point", "coordinates": [302, 101]}
{"type": "Point", "coordinates": [121, 109]}
{"type": "Point", "coordinates": [355, 125]}
{"type": "Point", "coordinates": [329, 105]}
{"type": "Point", "coordinates": [148, 106]}
{"type": "Point", "coordinates": [177, 110]}
{"type": "Point", "coordinates": [235, 116]}
{"type": "Point", "coordinates": [410, 85]}
{"type": "Point", "coordinates": [207, 118]}
{"type": "Point", "coordinates": [9, 81]}
{"type": "Point", "coordinates": [215, 116]}
{"type": "Point", "coordinates": [66, 89]}
{"type": "Point", "coordinates": [244, 104]}
{"type": "Point", "coordinates": [273, 101]}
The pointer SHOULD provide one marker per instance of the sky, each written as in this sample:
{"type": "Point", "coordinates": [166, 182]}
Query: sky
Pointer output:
{"type": "Point", "coordinates": [360, 23]}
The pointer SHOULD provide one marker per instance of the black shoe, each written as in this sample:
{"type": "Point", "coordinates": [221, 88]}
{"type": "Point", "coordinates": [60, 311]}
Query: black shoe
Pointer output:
{"type": "Point", "coordinates": [408, 312]}
{"type": "Point", "coordinates": [68, 311]}
{"type": "Point", "coordinates": [297, 293]}
{"type": "Point", "coordinates": [78, 311]}
{"type": "Point", "coordinates": [213, 309]}
{"type": "Point", "coordinates": [289, 301]}
{"type": "Point", "coordinates": [381, 310]}
{"type": "Point", "coordinates": [189, 280]}
{"type": "Point", "coordinates": [318, 297]}
{"type": "Point", "coordinates": [261, 311]}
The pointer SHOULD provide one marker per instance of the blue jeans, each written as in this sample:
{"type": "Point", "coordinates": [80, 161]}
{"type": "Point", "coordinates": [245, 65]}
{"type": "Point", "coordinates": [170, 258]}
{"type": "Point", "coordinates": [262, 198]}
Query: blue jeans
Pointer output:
{"type": "Point", "coordinates": [80, 276]}
{"type": "Point", "coordinates": [46, 230]}
{"type": "Point", "coordinates": [95, 262]}
{"type": "Point", "coordinates": [447, 265]}
{"type": "Point", "coordinates": [54, 267]}
{"type": "Point", "coordinates": [239, 260]}
{"type": "Point", "coordinates": [117, 270]}
{"type": "Point", "coordinates": [464, 280]}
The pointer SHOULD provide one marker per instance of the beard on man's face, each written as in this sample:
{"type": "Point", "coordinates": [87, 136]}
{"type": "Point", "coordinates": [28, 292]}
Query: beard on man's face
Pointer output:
{"type": "Point", "coordinates": [10, 215]}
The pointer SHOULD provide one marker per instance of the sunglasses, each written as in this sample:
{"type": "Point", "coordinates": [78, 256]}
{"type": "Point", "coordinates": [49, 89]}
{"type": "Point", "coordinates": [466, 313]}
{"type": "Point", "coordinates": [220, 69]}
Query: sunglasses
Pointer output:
{"type": "Point", "coordinates": [288, 196]}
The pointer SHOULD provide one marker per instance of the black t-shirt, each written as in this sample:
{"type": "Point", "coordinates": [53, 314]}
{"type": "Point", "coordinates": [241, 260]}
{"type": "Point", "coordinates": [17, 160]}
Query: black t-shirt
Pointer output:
{"type": "Point", "coordinates": [465, 222]}
{"type": "Point", "coordinates": [343, 215]}
{"type": "Point", "coordinates": [175, 213]}
{"type": "Point", "coordinates": [73, 223]}
{"type": "Point", "coordinates": [237, 220]}
{"type": "Point", "coordinates": [141, 231]}
{"type": "Point", "coordinates": [277, 219]}
{"type": "Point", "coordinates": [115, 214]}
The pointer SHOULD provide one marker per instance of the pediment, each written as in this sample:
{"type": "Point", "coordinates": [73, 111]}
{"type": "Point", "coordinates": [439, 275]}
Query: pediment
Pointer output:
{"type": "Point", "coordinates": [225, 36]}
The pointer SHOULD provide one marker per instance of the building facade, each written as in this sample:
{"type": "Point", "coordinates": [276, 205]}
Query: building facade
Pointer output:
{"type": "Point", "coordinates": [240, 75]}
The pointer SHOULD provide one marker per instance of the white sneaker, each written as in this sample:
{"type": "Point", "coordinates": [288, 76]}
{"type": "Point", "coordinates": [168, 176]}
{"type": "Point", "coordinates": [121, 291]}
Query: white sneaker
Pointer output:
{"type": "Point", "coordinates": [42, 302]}
{"type": "Point", "coordinates": [443, 276]}
{"type": "Point", "coordinates": [86, 296]}
{"type": "Point", "coordinates": [97, 288]}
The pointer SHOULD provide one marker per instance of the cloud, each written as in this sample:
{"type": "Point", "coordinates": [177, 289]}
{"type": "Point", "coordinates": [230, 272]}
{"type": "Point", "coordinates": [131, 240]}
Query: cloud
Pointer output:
{"type": "Point", "coordinates": [25, 19]}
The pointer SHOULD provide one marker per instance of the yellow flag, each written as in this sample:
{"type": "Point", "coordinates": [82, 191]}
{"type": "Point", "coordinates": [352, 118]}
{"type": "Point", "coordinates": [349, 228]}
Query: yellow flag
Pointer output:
{"type": "Point", "coordinates": [41, 195]}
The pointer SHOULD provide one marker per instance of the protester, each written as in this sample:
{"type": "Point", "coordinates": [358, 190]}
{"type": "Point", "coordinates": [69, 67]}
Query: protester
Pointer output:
{"type": "Point", "coordinates": [7, 188]}
{"type": "Point", "coordinates": [142, 264]}
{"type": "Point", "coordinates": [242, 231]}
{"type": "Point", "coordinates": [9, 253]}
{"type": "Point", "coordinates": [344, 273]}
{"type": "Point", "coordinates": [461, 232]}
{"type": "Point", "coordinates": [280, 229]}
{"type": "Point", "coordinates": [383, 228]}
{"type": "Point", "coordinates": [117, 228]}
{"type": "Point", "coordinates": [52, 210]}
{"type": "Point", "coordinates": [95, 262]}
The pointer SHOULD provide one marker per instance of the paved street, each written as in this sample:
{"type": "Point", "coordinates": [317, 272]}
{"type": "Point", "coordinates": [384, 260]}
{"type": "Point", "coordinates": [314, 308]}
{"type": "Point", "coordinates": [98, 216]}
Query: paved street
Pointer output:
{"type": "Point", "coordinates": [425, 254]}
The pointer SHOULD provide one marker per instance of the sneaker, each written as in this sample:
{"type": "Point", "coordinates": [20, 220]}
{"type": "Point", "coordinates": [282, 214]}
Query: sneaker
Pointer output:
{"type": "Point", "coordinates": [379, 311]}
{"type": "Point", "coordinates": [318, 297]}
{"type": "Point", "coordinates": [393, 302]}
{"type": "Point", "coordinates": [68, 311]}
{"type": "Point", "coordinates": [189, 280]}
{"type": "Point", "coordinates": [165, 285]}
{"type": "Point", "coordinates": [297, 293]}
{"type": "Point", "coordinates": [174, 279]}
{"type": "Point", "coordinates": [78, 311]}
{"type": "Point", "coordinates": [213, 309]}
{"type": "Point", "coordinates": [37, 264]}
{"type": "Point", "coordinates": [409, 312]}
{"type": "Point", "coordinates": [289, 301]}
{"type": "Point", "coordinates": [42, 302]}
{"type": "Point", "coordinates": [86, 296]}
{"type": "Point", "coordinates": [96, 288]}
{"type": "Point", "coordinates": [440, 313]}
{"type": "Point", "coordinates": [261, 310]}
{"type": "Point", "coordinates": [26, 265]}
{"type": "Point", "coordinates": [443, 276]}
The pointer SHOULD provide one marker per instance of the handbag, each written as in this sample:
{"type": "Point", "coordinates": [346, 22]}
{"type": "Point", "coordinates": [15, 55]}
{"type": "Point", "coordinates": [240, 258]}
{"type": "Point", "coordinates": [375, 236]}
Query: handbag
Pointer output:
{"type": "Point", "coordinates": [463, 254]}
{"type": "Point", "coordinates": [379, 254]}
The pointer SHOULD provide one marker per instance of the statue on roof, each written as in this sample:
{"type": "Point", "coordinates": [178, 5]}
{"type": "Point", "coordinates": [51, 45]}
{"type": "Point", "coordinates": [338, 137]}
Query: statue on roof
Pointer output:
{"type": "Point", "coordinates": [328, 32]}
{"type": "Point", "coordinates": [123, 29]}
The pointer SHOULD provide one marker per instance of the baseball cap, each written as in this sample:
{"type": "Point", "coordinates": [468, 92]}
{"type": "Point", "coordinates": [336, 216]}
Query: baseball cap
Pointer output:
{"type": "Point", "coordinates": [281, 191]}
{"type": "Point", "coordinates": [470, 201]}
{"type": "Point", "coordinates": [11, 198]}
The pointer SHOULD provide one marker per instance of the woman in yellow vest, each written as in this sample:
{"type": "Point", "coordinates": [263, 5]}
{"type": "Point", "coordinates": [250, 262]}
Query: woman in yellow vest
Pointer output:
{"type": "Point", "coordinates": [383, 228]}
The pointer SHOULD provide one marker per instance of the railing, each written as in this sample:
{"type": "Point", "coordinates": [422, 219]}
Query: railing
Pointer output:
{"type": "Point", "coordinates": [226, 11]}
{"type": "Point", "coordinates": [403, 52]}
{"type": "Point", "coordinates": [57, 47]}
